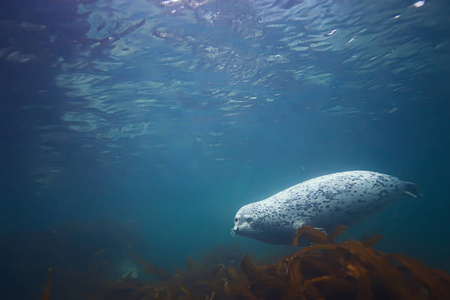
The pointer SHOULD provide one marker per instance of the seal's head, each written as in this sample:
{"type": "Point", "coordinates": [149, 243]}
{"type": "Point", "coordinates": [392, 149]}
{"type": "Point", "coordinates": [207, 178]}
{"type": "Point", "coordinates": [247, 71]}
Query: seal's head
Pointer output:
{"type": "Point", "coordinates": [257, 222]}
{"type": "Point", "coordinates": [246, 222]}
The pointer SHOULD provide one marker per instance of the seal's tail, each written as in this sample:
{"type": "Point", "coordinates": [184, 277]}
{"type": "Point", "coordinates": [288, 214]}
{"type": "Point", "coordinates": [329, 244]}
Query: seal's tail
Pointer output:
{"type": "Point", "coordinates": [411, 189]}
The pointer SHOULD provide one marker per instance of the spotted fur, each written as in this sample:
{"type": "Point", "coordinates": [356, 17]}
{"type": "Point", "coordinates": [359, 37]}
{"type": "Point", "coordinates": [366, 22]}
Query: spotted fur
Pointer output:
{"type": "Point", "coordinates": [323, 202]}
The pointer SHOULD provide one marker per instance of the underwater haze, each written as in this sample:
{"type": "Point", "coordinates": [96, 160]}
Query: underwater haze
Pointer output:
{"type": "Point", "coordinates": [150, 123]}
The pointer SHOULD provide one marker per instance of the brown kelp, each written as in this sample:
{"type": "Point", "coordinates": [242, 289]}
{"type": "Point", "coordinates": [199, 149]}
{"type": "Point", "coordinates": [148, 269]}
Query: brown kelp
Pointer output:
{"type": "Point", "coordinates": [323, 270]}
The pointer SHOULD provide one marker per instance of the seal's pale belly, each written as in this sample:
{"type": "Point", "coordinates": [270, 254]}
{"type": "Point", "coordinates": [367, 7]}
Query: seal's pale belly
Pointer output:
{"type": "Point", "coordinates": [323, 202]}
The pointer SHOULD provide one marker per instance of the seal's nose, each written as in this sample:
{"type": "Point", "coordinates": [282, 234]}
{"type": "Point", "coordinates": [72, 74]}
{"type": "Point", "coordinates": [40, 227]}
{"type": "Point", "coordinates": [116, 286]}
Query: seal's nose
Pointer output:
{"type": "Point", "coordinates": [236, 229]}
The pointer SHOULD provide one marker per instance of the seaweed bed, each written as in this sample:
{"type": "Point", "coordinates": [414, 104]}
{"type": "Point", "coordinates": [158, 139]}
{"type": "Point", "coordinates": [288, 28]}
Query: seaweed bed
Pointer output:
{"type": "Point", "coordinates": [324, 270]}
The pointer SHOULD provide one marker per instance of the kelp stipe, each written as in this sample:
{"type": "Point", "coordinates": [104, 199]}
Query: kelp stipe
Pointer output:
{"type": "Point", "coordinates": [48, 285]}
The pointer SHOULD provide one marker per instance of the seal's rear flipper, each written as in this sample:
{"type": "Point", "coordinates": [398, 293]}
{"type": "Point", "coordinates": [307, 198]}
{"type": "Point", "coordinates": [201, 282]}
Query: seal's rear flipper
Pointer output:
{"type": "Point", "coordinates": [411, 189]}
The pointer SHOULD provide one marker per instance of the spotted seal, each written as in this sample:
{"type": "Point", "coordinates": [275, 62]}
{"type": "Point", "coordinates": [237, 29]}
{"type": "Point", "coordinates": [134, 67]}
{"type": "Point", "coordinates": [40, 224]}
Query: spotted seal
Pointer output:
{"type": "Point", "coordinates": [323, 202]}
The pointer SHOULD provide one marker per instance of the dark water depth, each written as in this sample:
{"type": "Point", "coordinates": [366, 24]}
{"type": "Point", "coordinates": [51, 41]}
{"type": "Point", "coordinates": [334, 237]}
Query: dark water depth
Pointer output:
{"type": "Point", "coordinates": [150, 123]}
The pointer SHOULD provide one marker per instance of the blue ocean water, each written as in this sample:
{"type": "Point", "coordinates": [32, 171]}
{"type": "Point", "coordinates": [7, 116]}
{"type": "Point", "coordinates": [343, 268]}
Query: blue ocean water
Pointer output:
{"type": "Point", "coordinates": [151, 123]}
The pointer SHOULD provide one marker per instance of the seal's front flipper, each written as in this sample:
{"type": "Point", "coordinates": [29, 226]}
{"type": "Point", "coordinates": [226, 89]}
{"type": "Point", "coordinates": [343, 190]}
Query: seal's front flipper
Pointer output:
{"type": "Point", "coordinates": [321, 230]}
{"type": "Point", "coordinates": [411, 189]}
{"type": "Point", "coordinates": [297, 224]}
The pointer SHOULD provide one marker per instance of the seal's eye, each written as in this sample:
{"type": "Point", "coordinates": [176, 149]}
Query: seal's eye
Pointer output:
{"type": "Point", "coordinates": [235, 219]}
